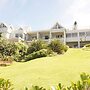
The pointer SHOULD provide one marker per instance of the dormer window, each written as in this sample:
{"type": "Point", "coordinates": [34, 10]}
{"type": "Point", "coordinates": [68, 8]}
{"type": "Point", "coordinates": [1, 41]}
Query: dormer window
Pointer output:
{"type": "Point", "coordinates": [58, 27]}
{"type": "Point", "coordinates": [18, 35]}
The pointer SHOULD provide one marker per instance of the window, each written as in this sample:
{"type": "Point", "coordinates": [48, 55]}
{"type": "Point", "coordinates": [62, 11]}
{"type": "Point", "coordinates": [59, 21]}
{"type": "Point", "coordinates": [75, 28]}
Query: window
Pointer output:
{"type": "Point", "coordinates": [68, 35]}
{"type": "Point", "coordinates": [19, 35]}
{"type": "Point", "coordinates": [74, 34]}
{"type": "Point", "coordinates": [87, 33]}
{"type": "Point", "coordinates": [81, 34]}
{"type": "Point", "coordinates": [59, 36]}
{"type": "Point", "coordinates": [46, 37]}
{"type": "Point", "coordinates": [16, 35]}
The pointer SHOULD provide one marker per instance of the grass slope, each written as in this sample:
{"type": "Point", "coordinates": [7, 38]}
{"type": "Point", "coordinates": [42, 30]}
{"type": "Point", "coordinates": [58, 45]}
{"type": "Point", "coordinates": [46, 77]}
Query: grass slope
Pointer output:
{"type": "Point", "coordinates": [48, 71]}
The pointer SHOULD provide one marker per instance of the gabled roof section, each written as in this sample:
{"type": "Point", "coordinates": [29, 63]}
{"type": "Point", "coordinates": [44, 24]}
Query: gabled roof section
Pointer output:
{"type": "Point", "coordinates": [3, 25]}
{"type": "Point", "coordinates": [20, 28]}
{"type": "Point", "coordinates": [57, 26]}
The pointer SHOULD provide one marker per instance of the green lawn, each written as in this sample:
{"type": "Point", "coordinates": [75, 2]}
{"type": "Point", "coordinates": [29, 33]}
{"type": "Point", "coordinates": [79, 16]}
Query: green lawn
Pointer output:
{"type": "Point", "coordinates": [48, 71]}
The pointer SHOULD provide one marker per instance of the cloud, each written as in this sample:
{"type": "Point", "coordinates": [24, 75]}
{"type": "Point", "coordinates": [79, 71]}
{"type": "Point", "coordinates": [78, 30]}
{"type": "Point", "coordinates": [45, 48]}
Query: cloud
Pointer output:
{"type": "Point", "coordinates": [79, 11]}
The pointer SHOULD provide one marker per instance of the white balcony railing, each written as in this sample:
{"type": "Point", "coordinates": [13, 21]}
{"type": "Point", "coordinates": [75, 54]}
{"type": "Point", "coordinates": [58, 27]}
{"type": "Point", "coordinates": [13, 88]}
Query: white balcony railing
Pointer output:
{"type": "Point", "coordinates": [76, 39]}
{"type": "Point", "coordinates": [71, 39]}
{"type": "Point", "coordinates": [68, 39]}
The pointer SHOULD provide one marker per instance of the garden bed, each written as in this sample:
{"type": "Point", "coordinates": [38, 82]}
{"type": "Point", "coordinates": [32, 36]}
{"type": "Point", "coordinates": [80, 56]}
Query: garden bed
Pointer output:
{"type": "Point", "coordinates": [5, 63]}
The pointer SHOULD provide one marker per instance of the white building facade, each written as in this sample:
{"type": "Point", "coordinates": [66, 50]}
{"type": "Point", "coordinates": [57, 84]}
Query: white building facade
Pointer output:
{"type": "Point", "coordinates": [75, 38]}
{"type": "Point", "coordinates": [14, 33]}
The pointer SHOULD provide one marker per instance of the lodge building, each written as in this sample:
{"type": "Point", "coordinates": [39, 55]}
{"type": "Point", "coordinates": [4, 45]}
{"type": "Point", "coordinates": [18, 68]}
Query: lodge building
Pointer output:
{"type": "Point", "coordinates": [74, 38]}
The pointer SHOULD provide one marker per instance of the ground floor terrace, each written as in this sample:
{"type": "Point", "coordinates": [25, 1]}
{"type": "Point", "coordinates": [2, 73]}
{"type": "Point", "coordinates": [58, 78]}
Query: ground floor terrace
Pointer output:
{"type": "Point", "coordinates": [77, 44]}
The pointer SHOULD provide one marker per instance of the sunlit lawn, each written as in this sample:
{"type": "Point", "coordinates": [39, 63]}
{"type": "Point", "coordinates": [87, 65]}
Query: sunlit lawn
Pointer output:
{"type": "Point", "coordinates": [48, 71]}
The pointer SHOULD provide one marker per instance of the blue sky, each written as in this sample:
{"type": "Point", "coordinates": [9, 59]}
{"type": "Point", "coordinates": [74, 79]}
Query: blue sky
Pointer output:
{"type": "Point", "coordinates": [42, 14]}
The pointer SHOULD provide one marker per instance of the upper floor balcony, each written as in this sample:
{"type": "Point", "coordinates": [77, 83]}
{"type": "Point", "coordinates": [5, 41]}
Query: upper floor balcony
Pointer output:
{"type": "Point", "coordinates": [80, 36]}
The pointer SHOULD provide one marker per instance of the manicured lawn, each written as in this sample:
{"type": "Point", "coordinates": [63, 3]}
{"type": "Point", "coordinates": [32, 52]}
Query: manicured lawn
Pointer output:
{"type": "Point", "coordinates": [48, 71]}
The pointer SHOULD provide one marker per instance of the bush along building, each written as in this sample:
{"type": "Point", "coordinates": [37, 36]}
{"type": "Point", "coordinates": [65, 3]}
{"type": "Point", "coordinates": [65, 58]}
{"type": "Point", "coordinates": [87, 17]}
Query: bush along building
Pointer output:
{"type": "Point", "coordinates": [74, 38]}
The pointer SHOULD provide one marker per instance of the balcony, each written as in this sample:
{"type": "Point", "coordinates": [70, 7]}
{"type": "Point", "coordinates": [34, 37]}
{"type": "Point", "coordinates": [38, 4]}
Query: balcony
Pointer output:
{"type": "Point", "coordinates": [76, 39]}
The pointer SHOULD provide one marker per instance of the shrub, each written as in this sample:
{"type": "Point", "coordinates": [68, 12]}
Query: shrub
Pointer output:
{"type": "Point", "coordinates": [17, 50]}
{"type": "Point", "coordinates": [86, 47]}
{"type": "Point", "coordinates": [7, 48]}
{"type": "Point", "coordinates": [6, 60]}
{"type": "Point", "coordinates": [35, 88]}
{"type": "Point", "coordinates": [21, 50]}
{"type": "Point", "coordinates": [17, 57]}
{"type": "Point", "coordinates": [5, 84]}
{"type": "Point", "coordinates": [10, 49]}
{"type": "Point", "coordinates": [65, 48]}
{"type": "Point", "coordinates": [51, 52]}
{"type": "Point", "coordinates": [37, 54]}
{"type": "Point", "coordinates": [3, 44]}
{"type": "Point", "coordinates": [83, 84]}
{"type": "Point", "coordinates": [36, 46]}
{"type": "Point", "coordinates": [58, 46]}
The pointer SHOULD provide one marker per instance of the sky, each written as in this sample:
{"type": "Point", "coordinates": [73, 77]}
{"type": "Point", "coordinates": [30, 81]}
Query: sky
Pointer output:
{"type": "Point", "coordinates": [43, 14]}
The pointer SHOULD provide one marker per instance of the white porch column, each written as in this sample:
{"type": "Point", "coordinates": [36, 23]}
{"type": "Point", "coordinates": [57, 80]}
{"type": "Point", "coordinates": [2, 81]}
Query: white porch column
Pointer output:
{"type": "Point", "coordinates": [65, 36]}
{"type": "Point", "coordinates": [27, 37]}
{"type": "Point", "coordinates": [85, 36]}
{"type": "Point", "coordinates": [23, 35]}
{"type": "Point", "coordinates": [37, 35]}
{"type": "Point", "coordinates": [78, 41]}
{"type": "Point", "coordinates": [50, 36]}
